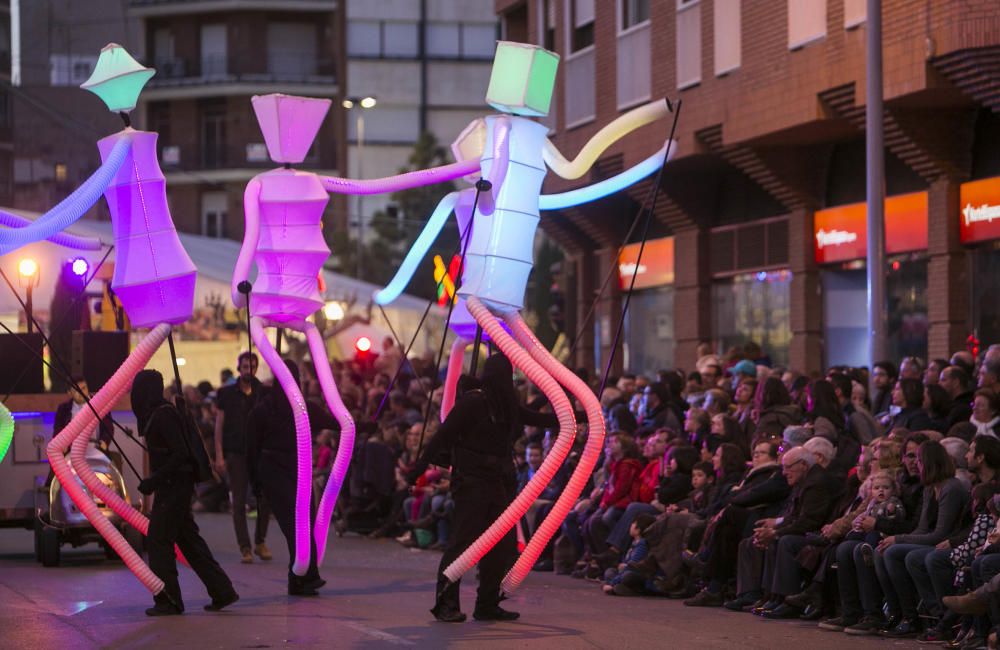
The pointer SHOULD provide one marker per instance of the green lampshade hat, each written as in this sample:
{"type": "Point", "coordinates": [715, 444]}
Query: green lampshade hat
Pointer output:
{"type": "Point", "coordinates": [118, 78]}
{"type": "Point", "coordinates": [522, 80]}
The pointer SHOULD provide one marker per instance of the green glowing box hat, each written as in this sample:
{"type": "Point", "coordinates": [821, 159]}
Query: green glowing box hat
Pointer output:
{"type": "Point", "coordinates": [523, 78]}
{"type": "Point", "coordinates": [118, 78]}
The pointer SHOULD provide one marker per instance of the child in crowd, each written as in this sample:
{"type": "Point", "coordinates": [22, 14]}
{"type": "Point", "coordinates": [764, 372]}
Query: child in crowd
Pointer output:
{"type": "Point", "coordinates": [702, 488]}
{"type": "Point", "coordinates": [884, 505]}
{"type": "Point", "coordinates": [984, 512]}
{"type": "Point", "coordinates": [622, 580]}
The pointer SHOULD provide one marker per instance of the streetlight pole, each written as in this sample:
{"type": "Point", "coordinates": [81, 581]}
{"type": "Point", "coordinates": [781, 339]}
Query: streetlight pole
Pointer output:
{"type": "Point", "coordinates": [27, 270]}
{"type": "Point", "coordinates": [875, 155]}
{"type": "Point", "coordinates": [361, 104]}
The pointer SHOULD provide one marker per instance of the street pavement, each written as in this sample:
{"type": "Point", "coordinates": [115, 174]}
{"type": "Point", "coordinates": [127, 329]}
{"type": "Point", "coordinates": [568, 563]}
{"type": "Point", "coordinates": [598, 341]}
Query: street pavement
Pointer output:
{"type": "Point", "coordinates": [378, 595]}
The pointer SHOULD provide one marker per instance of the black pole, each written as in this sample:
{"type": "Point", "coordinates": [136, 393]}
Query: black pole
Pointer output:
{"type": "Point", "coordinates": [173, 360]}
{"type": "Point", "coordinates": [28, 306]}
{"type": "Point", "coordinates": [482, 185]}
{"type": "Point", "coordinates": [245, 288]}
{"type": "Point", "coordinates": [476, 342]}
{"type": "Point", "coordinates": [638, 259]}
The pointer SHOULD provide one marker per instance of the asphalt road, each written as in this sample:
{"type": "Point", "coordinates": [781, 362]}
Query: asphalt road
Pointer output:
{"type": "Point", "coordinates": [378, 596]}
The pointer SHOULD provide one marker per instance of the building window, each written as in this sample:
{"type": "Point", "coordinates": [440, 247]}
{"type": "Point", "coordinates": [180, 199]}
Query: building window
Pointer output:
{"type": "Point", "coordinates": [214, 53]}
{"type": "Point", "coordinates": [548, 22]}
{"type": "Point", "coordinates": [213, 138]}
{"type": "Point", "coordinates": [855, 13]}
{"type": "Point", "coordinates": [581, 33]}
{"type": "Point", "coordinates": [214, 209]}
{"type": "Point", "coordinates": [634, 12]}
{"type": "Point", "coordinates": [66, 70]}
{"type": "Point", "coordinates": [364, 39]}
{"type": "Point", "coordinates": [634, 58]}
{"type": "Point", "coordinates": [754, 307]}
{"type": "Point", "coordinates": [728, 38]}
{"type": "Point", "coordinates": [580, 98]}
{"type": "Point", "coordinates": [400, 40]}
{"type": "Point", "coordinates": [460, 40]}
{"type": "Point", "coordinates": [806, 22]}
{"type": "Point", "coordinates": [688, 43]}
{"type": "Point", "coordinates": [291, 50]}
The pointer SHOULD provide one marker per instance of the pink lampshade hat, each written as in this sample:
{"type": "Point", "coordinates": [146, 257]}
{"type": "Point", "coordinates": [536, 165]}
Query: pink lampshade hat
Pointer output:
{"type": "Point", "coordinates": [289, 124]}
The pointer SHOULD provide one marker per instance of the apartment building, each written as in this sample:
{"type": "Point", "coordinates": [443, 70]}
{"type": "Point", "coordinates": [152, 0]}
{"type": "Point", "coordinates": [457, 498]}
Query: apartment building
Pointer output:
{"type": "Point", "coordinates": [211, 57]}
{"type": "Point", "coordinates": [760, 223]}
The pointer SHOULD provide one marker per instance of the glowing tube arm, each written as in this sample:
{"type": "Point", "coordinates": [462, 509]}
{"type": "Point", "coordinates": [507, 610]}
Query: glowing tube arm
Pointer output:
{"type": "Point", "coordinates": [419, 249]}
{"type": "Point", "coordinates": [607, 186]}
{"type": "Point", "coordinates": [241, 271]}
{"type": "Point", "coordinates": [400, 182]}
{"type": "Point", "coordinates": [603, 139]}
{"type": "Point", "coordinates": [60, 238]}
{"type": "Point", "coordinates": [500, 163]}
{"type": "Point", "coordinates": [70, 209]}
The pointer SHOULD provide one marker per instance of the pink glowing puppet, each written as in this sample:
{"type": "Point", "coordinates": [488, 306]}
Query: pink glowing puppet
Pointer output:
{"type": "Point", "coordinates": [283, 210]}
{"type": "Point", "coordinates": [154, 279]}
{"type": "Point", "coordinates": [513, 153]}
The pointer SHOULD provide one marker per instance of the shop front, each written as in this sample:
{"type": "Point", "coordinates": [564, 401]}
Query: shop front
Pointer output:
{"type": "Point", "coordinates": [649, 327]}
{"type": "Point", "coordinates": [840, 243]}
{"type": "Point", "coordinates": [980, 230]}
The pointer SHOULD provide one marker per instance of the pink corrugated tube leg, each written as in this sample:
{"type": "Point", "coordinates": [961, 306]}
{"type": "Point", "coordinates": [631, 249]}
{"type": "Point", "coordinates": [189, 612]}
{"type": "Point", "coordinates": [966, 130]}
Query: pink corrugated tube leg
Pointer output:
{"type": "Point", "coordinates": [591, 452]}
{"type": "Point", "coordinates": [58, 446]}
{"type": "Point", "coordinates": [401, 182]}
{"type": "Point", "coordinates": [345, 445]}
{"type": "Point", "coordinates": [454, 372]}
{"type": "Point", "coordinates": [567, 431]}
{"type": "Point", "coordinates": [303, 444]}
{"type": "Point", "coordinates": [78, 459]}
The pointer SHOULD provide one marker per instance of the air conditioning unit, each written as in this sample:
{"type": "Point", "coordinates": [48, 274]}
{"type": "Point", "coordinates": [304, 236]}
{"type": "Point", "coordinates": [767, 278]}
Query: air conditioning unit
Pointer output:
{"type": "Point", "coordinates": [256, 152]}
{"type": "Point", "coordinates": [171, 155]}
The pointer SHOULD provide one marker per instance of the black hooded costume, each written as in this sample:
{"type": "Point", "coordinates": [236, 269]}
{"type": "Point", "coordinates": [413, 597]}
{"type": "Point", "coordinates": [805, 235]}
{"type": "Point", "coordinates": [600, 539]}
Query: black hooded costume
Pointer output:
{"type": "Point", "coordinates": [172, 484]}
{"type": "Point", "coordinates": [479, 435]}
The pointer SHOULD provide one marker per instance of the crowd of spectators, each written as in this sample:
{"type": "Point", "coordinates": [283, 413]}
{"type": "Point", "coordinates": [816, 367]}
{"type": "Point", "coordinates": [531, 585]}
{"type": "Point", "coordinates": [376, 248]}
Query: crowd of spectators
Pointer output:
{"type": "Point", "coordinates": [866, 501]}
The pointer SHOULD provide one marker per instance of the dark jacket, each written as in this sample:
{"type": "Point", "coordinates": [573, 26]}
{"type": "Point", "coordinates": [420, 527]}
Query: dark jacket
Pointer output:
{"type": "Point", "coordinates": [762, 488]}
{"type": "Point", "coordinates": [169, 458]}
{"type": "Point", "coordinates": [912, 419]}
{"type": "Point", "coordinates": [910, 492]}
{"type": "Point", "coordinates": [673, 488]}
{"type": "Point", "coordinates": [774, 420]}
{"type": "Point", "coordinates": [961, 409]}
{"type": "Point", "coordinates": [236, 405]}
{"type": "Point", "coordinates": [811, 502]}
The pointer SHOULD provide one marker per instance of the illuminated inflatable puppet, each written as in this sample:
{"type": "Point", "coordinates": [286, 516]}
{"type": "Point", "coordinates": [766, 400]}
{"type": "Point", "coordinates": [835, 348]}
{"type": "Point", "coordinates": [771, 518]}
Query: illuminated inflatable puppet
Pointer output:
{"type": "Point", "coordinates": [513, 153]}
{"type": "Point", "coordinates": [283, 210]}
{"type": "Point", "coordinates": [154, 278]}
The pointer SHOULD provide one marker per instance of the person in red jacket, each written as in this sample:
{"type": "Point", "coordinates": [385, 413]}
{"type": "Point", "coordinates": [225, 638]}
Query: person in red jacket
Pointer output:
{"type": "Point", "coordinates": [617, 492]}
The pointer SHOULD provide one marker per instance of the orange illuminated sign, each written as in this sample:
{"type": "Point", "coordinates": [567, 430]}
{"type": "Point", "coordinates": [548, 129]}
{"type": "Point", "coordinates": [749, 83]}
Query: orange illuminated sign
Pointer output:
{"type": "Point", "coordinates": [656, 267]}
{"type": "Point", "coordinates": [980, 210]}
{"type": "Point", "coordinates": [840, 234]}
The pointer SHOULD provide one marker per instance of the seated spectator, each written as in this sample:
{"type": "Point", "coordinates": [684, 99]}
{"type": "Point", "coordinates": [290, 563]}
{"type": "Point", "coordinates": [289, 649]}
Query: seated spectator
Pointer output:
{"type": "Point", "coordinates": [657, 410]}
{"type": "Point", "coordinates": [760, 494]}
{"type": "Point", "coordinates": [743, 402]}
{"type": "Point", "coordinates": [774, 409]}
{"type": "Point", "coordinates": [989, 375]}
{"type": "Point", "coordinates": [884, 374]}
{"type": "Point", "coordinates": [957, 383]}
{"type": "Point", "coordinates": [944, 505]}
{"type": "Point", "coordinates": [694, 393]}
{"type": "Point", "coordinates": [937, 404]}
{"type": "Point", "coordinates": [986, 413]}
{"type": "Point", "coordinates": [932, 375]}
{"type": "Point", "coordinates": [697, 425]}
{"type": "Point", "coordinates": [628, 577]}
{"type": "Point", "coordinates": [958, 449]}
{"type": "Point", "coordinates": [908, 397]}
{"type": "Point", "coordinates": [723, 429]}
{"type": "Point", "coordinates": [983, 459]}
{"type": "Point", "coordinates": [716, 401]}
{"type": "Point", "coordinates": [767, 566]}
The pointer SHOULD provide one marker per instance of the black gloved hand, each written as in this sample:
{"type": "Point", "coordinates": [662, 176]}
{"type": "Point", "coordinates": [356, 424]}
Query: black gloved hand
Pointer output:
{"type": "Point", "coordinates": [146, 486]}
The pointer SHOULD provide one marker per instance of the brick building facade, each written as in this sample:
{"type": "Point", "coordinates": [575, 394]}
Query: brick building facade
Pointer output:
{"type": "Point", "coordinates": [211, 58]}
{"type": "Point", "coordinates": [771, 138]}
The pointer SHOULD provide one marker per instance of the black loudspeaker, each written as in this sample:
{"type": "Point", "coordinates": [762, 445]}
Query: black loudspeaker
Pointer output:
{"type": "Point", "coordinates": [97, 355]}
{"type": "Point", "coordinates": [21, 363]}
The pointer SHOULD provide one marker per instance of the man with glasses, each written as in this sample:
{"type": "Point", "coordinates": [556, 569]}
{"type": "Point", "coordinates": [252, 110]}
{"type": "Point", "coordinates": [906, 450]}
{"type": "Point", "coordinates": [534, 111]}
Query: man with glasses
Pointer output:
{"type": "Point", "coordinates": [957, 383]}
{"type": "Point", "coordinates": [779, 540]}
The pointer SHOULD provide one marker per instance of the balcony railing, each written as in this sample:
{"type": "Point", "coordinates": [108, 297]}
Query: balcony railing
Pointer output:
{"type": "Point", "coordinates": [164, 7]}
{"type": "Point", "coordinates": [280, 67]}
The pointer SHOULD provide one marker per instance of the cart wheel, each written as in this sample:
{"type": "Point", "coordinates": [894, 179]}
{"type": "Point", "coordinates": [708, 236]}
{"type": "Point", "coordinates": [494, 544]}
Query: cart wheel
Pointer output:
{"type": "Point", "coordinates": [49, 546]}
